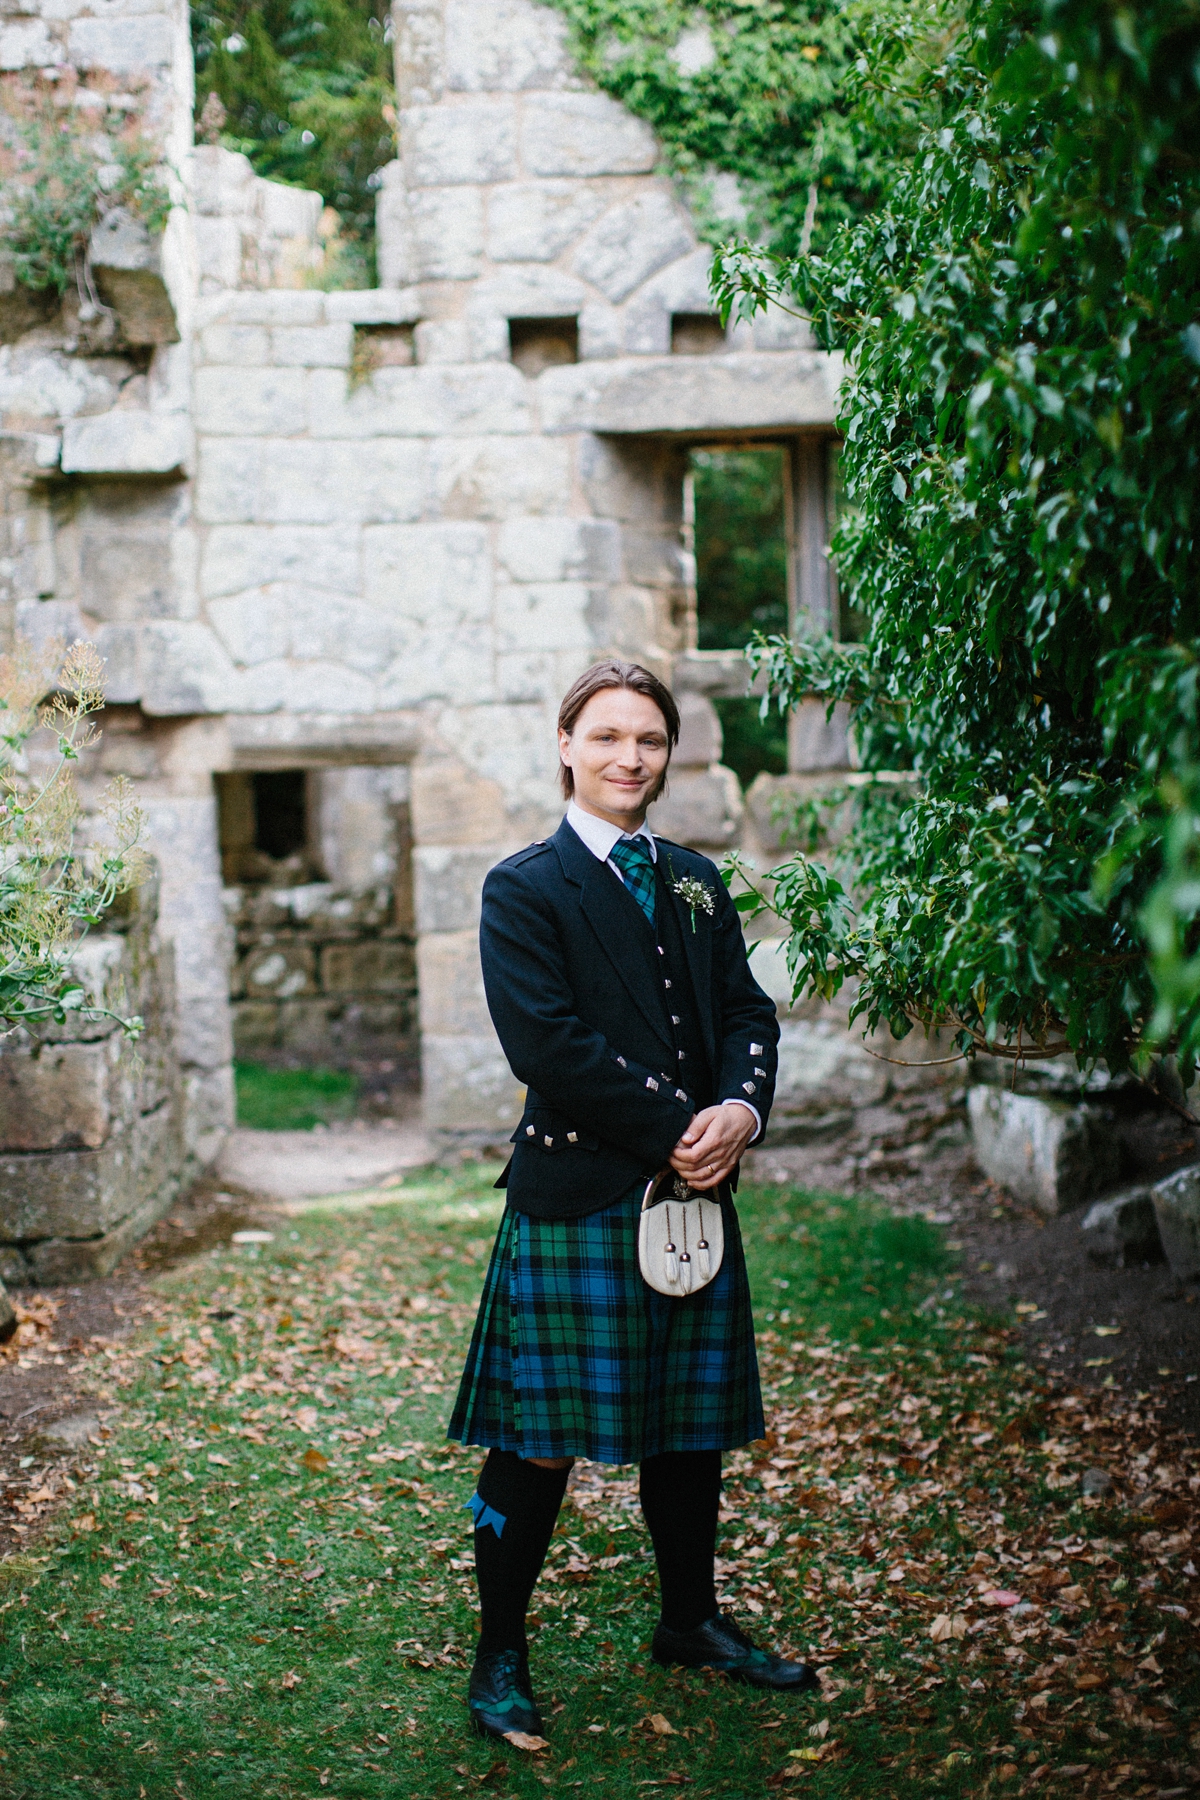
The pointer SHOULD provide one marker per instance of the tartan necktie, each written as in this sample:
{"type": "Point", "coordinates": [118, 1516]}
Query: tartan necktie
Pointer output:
{"type": "Point", "coordinates": [632, 857]}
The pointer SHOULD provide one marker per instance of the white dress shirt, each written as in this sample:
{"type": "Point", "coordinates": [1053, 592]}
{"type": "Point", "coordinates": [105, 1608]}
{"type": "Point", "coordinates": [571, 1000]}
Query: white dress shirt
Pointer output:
{"type": "Point", "coordinates": [599, 836]}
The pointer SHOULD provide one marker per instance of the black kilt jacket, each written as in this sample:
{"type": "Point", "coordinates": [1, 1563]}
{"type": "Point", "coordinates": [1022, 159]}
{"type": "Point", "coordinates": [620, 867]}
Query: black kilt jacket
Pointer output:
{"type": "Point", "coordinates": [576, 995]}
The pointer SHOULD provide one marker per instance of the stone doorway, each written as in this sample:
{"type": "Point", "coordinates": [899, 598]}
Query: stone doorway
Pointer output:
{"type": "Point", "coordinates": [316, 867]}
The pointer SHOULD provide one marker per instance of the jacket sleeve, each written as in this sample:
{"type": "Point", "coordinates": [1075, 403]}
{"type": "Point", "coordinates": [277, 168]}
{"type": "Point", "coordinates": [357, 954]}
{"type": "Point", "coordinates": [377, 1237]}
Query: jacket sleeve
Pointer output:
{"type": "Point", "coordinates": [748, 1054]}
{"type": "Point", "coordinates": [565, 1061]}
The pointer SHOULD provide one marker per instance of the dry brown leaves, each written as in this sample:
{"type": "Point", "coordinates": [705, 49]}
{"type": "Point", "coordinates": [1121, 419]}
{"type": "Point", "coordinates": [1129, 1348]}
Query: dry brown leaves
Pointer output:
{"type": "Point", "coordinates": [35, 1328]}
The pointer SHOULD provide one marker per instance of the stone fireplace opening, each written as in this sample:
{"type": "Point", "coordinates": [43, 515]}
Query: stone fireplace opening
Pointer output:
{"type": "Point", "coordinates": [317, 872]}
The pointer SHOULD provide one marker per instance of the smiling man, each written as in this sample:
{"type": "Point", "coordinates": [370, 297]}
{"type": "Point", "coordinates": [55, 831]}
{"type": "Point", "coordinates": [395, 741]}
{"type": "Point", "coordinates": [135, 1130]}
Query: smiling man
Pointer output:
{"type": "Point", "coordinates": [618, 982]}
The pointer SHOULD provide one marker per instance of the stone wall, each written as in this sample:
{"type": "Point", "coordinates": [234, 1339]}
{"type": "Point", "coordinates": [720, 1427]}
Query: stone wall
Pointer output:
{"type": "Point", "coordinates": [91, 1145]}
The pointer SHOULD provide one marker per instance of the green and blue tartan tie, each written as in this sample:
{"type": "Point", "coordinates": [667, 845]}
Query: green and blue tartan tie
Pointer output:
{"type": "Point", "coordinates": [632, 857]}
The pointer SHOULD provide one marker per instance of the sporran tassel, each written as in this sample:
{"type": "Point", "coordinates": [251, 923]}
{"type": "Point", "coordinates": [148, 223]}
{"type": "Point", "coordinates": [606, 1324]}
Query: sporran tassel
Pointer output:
{"type": "Point", "coordinates": [704, 1259]}
{"type": "Point", "coordinates": [670, 1261]}
{"type": "Point", "coordinates": [685, 1272]}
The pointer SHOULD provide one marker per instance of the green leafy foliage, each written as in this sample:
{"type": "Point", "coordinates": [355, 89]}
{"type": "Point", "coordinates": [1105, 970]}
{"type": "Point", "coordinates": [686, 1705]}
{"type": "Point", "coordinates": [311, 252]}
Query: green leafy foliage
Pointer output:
{"type": "Point", "coordinates": [52, 886]}
{"type": "Point", "coordinates": [62, 173]}
{"type": "Point", "coordinates": [1021, 457]}
{"type": "Point", "coordinates": [308, 94]}
{"type": "Point", "coordinates": [749, 88]}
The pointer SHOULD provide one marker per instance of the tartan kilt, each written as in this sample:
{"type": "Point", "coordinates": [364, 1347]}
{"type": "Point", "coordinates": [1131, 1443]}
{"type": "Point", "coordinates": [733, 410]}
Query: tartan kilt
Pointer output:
{"type": "Point", "coordinates": [574, 1355]}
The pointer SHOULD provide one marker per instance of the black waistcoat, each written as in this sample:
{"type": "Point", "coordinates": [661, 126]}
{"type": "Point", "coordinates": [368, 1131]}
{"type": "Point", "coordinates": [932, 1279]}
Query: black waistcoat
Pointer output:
{"type": "Point", "coordinates": [692, 1070]}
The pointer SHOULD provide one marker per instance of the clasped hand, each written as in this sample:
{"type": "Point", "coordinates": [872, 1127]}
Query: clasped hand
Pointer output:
{"type": "Point", "coordinates": [711, 1147]}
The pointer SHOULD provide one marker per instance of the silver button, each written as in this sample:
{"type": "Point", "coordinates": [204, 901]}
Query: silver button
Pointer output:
{"type": "Point", "coordinates": [549, 1143]}
{"type": "Point", "coordinates": [651, 1083]}
{"type": "Point", "coordinates": [756, 1049]}
{"type": "Point", "coordinates": [529, 1131]}
{"type": "Point", "coordinates": [679, 1094]}
{"type": "Point", "coordinates": [675, 1019]}
{"type": "Point", "coordinates": [761, 1072]}
{"type": "Point", "coordinates": [572, 1137]}
{"type": "Point", "coordinates": [682, 1054]}
{"type": "Point", "coordinates": [660, 949]}
{"type": "Point", "coordinates": [747, 1087]}
{"type": "Point", "coordinates": [622, 1062]}
{"type": "Point", "coordinates": [666, 983]}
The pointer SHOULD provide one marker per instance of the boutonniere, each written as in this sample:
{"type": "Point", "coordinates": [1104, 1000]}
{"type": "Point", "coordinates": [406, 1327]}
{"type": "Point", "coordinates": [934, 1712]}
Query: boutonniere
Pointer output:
{"type": "Point", "coordinates": [693, 892]}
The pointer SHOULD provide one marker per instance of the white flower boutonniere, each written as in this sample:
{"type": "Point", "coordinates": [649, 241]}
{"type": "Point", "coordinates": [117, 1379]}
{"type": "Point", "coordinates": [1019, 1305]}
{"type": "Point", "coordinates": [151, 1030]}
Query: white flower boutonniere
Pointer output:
{"type": "Point", "coordinates": [694, 894]}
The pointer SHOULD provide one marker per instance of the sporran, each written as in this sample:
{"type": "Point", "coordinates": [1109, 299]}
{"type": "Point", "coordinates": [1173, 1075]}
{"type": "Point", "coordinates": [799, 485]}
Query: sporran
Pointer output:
{"type": "Point", "coordinates": [681, 1236]}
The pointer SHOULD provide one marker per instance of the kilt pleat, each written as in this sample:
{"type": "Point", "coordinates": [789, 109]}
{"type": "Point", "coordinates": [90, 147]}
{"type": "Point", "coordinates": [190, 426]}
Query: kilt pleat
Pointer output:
{"type": "Point", "coordinates": [573, 1355]}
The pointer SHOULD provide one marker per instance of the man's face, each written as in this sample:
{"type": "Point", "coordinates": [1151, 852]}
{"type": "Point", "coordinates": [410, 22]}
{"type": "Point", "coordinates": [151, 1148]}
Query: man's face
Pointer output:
{"type": "Point", "coordinates": [617, 754]}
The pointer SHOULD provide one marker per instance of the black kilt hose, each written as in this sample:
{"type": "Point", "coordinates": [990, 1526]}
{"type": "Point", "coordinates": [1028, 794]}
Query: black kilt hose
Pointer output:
{"type": "Point", "coordinates": [621, 1032]}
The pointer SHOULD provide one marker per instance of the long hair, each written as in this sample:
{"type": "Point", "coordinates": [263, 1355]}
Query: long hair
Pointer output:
{"type": "Point", "coordinates": [612, 673]}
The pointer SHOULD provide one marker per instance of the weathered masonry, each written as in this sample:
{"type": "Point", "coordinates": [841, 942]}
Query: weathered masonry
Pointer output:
{"type": "Point", "coordinates": [363, 540]}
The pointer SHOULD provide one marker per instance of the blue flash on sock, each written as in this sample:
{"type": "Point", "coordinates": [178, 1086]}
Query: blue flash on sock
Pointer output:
{"type": "Point", "coordinates": [485, 1515]}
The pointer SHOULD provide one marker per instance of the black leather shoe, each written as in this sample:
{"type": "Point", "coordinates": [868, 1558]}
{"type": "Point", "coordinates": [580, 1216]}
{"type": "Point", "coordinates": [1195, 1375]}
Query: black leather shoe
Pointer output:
{"type": "Point", "coordinates": [500, 1695]}
{"type": "Point", "coordinates": [720, 1644]}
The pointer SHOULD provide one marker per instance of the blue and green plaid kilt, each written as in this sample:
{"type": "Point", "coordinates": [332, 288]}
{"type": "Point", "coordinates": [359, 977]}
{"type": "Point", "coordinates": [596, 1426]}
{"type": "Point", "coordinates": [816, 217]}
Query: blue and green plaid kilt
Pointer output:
{"type": "Point", "coordinates": [573, 1355]}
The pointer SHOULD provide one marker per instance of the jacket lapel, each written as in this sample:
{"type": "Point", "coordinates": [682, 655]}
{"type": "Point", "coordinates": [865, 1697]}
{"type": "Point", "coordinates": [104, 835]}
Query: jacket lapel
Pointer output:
{"type": "Point", "coordinates": [697, 948]}
{"type": "Point", "coordinates": [619, 928]}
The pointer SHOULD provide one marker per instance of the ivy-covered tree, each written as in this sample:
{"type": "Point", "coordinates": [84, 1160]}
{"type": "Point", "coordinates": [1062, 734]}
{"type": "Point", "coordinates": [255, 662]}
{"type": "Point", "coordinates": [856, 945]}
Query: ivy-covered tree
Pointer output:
{"type": "Point", "coordinates": [744, 88]}
{"type": "Point", "coordinates": [307, 92]}
{"type": "Point", "coordinates": [1023, 464]}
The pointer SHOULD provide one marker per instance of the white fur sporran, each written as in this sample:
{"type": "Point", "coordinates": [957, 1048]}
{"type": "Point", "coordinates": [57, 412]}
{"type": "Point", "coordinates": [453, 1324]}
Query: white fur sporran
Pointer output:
{"type": "Point", "coordinates": [681, 1236]}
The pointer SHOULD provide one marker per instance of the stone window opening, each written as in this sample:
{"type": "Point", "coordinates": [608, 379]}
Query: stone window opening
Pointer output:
{"type": "Point", "coordinates": [538, 344]}
{"type": "Point", "coordinates": [697, 334]}
{"type": "Point", "coordinates": [381, 347]}
{"type": "Point", "coordinates": [317, 867]}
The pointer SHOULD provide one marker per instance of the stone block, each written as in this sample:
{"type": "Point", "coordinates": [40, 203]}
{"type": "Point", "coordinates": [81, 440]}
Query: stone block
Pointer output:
{"type": "Point", "coordinates": [312, 346]}
{"type": "Point", "coordinates": [703, 808]}
{"type": "Point", "coordinates": [374, 306]}
{"type": "Point", "coordinates": [631, 241]}
{"type": "Point", "coordinates": [125, 442]}
{"type": "Point", "coordinates": [817, 741]}
{"type": "Point", "coordinates": [285, 619]}
{"type": "Point", "coordinates": [741, 391]}
{"type": "Point", "coordinates": [427, 402]}
{"type": "Point", "coordinates": [777, 329]}
{"type": "Point", "coordinates": [443, 341]}
{"type": "Point", "coordinates": [451, 804]}
{"type": "Point", "coordinates": [449, 885]}
{"type": "Point", "coordinates": [773, 802]}
{"type": "Point", "coordinates": [382, 966]}
{"type": "Point", "coordinates": [304, 1027]}
{"type": "Point", "coordinates": [279, 971]}
{"type": "Point", "coordinates": [252, 402]}
{"type": "Point", "coordinates": [187, 670]}
{"type": "Point", "coordinates": [218, 252]}
{"type": "Point", "coordinates": [825, 1074]}
{"type": "Point", "coordinates": [467, 1087]}
{"type": "Point", "coordinates": [601, 331]}
{"type": "Point", "coordinates": [85, 1193]}
{"type": "Point", "coordinates": [127, 264]}
{"type": "Point", "coordinates": [123, 46]}
{"type": "Point", "coordinates": [66, 1097]}
{"type": "Point", "coordinates": [237, 557]}
{"type": "Point", "coordinates": [430, 234]}
{"type": "Point", "coordinates": [535, 221]}
{"type": "Point", "coordinates": [584, 134]}
{"type": "Point", "coordinates": [309, 481]}
{"type": "Point", "coordinates": [434, 575]}
{"type": "Point", "coordinates": [275, 306]}
{"type": "Point", "coordinates": [542, 549]}
{"type": "Point", "coordinates": [26, 44]}
{"type": "Point", "coordinates": [450, 983]}
{"type": "Point", "coordinates": [544, 616]}
{"type": "Point", "coordinates": [1177, 1210]}
{"type": "Point", "coordinates": [76, 1257]}
{"type": "Point", "coordinates": [221, 181]}
{"type": "Point", "coordinates": [286, 211]}
{"type": "Point", "coordinates": [208, 1114]}
{"type": "Point", "coordinates": [699, 733]}
{"type": "Point", "coordinates": [496, 46]}
{"type": "Point", "coordinates": [444, 145]}
{"type": "Point", "coordinates": [242, 346]}
{"type": "Point", "coordinates": [1048, 1152]}
{"type": "Point", "coordinates": [489, 478]}
{"type": "Point", "coordinates": [1122, 1231]}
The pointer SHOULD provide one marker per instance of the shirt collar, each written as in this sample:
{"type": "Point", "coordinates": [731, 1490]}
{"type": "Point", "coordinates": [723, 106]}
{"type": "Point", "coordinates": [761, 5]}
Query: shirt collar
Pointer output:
{"type": "Point", "coordinates": [600, 836]}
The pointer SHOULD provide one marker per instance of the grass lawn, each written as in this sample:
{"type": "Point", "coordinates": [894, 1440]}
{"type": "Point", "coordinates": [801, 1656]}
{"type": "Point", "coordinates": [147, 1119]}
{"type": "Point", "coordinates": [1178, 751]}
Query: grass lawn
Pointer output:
{"type": "Point", "coordinates": [292, 1099]}
{"type": "Point", "coordinates": [260, 1584]}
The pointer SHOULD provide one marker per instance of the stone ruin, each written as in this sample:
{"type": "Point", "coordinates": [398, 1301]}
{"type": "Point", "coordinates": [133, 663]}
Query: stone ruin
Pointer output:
{"type": "Point", "coordinates": [358, 543]}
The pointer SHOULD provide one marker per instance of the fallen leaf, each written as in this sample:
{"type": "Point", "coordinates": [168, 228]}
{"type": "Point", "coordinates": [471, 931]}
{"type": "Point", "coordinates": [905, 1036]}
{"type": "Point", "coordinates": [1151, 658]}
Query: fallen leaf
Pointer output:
{"type": "Point", "coordinates": [662, 1727]}
{"type": "Point", "coordinates": [290, 1680]}
{"type": "Point", "coordinates": [1000, 1597]}
{"type": "Point", "coordinates": [312, 1574]}
{"type": "Point", "coordinates": [222, 1460]}
{"type": "Point", "coordinates": [807, 1755]}
{"type": "Point", "coordinates": [525, 1740]}
{"type": "Point", "coordinates": [86, 1522]}
{"type": "Point", "coordinates": [1106, 1331]}
{"type": "Point", "coordinates": [314, 1462]}
{"type": "Point", "coordinates": [1085, 1683]}
{"type": "Point", "coordinates": [941, 1628]}
{"type": "Point", "coordinates": [820, 1729]}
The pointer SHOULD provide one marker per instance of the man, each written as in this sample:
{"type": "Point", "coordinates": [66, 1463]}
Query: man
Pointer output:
{"type": "Point", "coordinates": [618, 981]}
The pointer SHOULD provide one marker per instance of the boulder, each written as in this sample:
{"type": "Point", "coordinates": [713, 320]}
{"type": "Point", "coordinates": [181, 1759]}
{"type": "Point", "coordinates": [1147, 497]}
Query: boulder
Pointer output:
{"type": "Point", "coordinates": [1177, 1208]}
{"type": "Point", "coordinates": [127, 264]}
{"type": "Point", "coordinates": [1050, 1152]}
{"type": "Point", "coordinates": [1123, 1229]}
